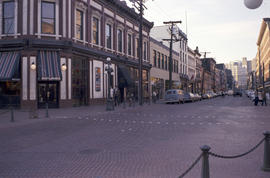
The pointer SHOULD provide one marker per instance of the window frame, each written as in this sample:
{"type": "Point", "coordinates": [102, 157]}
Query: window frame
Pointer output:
{"type": "Point", "coordinates": [131, 42]}
{"type": "Point", "coordinates": [54, 10]}
{"type": "Point", "coordinates": [122, 40]}
{"type": "Point", "coordinates": [3, 18]}
{"type": "Point", "coordinates": [82, 24]}
{"type": "Point", "coordinates": [111, 36]}
{"type": "Point", "coordinates": [98, 30]}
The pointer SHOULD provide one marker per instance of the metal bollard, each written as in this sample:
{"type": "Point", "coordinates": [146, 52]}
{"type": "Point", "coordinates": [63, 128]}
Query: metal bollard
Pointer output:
{"type": "Point", "coordinates": [47, 110]}
{"type": "Point", "coordinates": [11, 114]}
{"type": "Point", "coordinates": [266, 158]}
{"type": "Point", "coordinates": [205, 162]}
{"type": "Point", "coordinates": [124, 104]}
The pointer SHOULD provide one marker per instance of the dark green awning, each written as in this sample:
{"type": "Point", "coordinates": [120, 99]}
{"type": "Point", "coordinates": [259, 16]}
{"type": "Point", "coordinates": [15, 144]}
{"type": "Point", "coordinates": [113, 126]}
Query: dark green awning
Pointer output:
{"type": "Point", "coordinates": [9, 64]}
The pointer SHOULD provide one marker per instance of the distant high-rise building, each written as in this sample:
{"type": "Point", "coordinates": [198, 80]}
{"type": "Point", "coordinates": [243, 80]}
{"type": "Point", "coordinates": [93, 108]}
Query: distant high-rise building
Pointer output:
{"type": "Point", "coordinates": [240, 72]}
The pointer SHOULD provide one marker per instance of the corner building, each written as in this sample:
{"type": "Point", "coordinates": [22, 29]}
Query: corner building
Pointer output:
{"type": "Point", "coordinates": [54, 51]}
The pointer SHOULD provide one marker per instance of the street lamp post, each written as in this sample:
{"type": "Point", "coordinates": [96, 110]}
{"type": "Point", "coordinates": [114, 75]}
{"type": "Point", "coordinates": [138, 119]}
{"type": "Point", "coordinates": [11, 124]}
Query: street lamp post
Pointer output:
{"type": "Point", "coordinates": [109, 103]}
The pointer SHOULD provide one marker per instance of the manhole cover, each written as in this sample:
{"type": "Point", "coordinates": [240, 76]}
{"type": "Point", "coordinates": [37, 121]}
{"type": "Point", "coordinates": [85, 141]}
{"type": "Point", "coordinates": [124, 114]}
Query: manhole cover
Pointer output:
{"type": "Point", "coordinates": [90, 151]}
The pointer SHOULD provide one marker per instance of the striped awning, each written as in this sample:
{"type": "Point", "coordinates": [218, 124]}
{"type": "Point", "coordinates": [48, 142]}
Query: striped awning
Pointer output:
{"type": "Point", "coordinates": [49, 66]}
{"type": "Point", "coordinates": [9, 64]}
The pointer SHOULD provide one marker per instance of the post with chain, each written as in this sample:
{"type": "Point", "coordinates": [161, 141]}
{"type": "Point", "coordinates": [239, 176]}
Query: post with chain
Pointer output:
{"type": "Point", "coordinates": [266, 159]}
{"type": "Point", "coordinates": [11, 114]}
{"type": "Point", "coordinates": [205, 162]}
{"type": "Point", "coordinates": [47, 110]}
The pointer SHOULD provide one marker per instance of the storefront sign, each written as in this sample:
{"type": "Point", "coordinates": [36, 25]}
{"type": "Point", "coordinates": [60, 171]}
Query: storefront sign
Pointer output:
{"type": "Point", "coordinates": [98, 79]}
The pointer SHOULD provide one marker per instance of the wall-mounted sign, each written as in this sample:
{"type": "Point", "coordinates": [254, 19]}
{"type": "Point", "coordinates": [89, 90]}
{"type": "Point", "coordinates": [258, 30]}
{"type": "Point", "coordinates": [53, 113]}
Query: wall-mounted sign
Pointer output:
{"type": "Point", "coordinates": [98, 79]}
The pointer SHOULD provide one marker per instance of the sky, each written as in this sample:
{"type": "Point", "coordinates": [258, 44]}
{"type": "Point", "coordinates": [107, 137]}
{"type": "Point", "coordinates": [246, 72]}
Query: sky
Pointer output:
{"type": "Point", "coordinates": [226, 28]}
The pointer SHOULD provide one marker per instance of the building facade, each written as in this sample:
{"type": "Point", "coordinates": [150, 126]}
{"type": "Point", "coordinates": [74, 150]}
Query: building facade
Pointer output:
{"type": "Point", "coordinates": [159, 57]}
{"type": "Point", "coordinates": [54, 51]}
{"type": "Point", "coordinates": [209, 74]}
{"type": "Point", "coordinates": [263, 56]}
{"type": "Point", "coordinates": [180, 45]}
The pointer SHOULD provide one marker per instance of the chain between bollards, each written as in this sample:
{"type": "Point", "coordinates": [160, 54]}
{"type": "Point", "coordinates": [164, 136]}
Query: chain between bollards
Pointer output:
{"type": "Point", "coordinates": [205, 173]}
{"type": "Point", "coordinates": [11, 114]}
{"type": "Point", "coordinates": [47, 110]}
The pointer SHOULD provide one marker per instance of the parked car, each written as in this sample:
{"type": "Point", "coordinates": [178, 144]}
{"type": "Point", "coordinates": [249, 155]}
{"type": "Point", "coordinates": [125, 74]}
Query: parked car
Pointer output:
{"type": "Point", "coordinates": [187, 97]}
{"type": "Point", "coordinates": [205, 96]}
{"type": "Point", "coordinates": [192, 97]}
{"type": "Point", "coordinates": [198, 97]}
{"type": "Point", "coordinates": [237, 93]}
{"type": "Point", "coordinates": [174, 96]}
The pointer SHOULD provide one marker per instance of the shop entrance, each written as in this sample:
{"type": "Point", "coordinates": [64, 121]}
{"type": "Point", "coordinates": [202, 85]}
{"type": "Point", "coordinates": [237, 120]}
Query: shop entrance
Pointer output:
{"type": "Point", "coordinates": [48, 93]}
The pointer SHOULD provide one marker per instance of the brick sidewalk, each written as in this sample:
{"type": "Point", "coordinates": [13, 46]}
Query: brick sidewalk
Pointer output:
{"type": "Point", "coordinates": [22, 117]}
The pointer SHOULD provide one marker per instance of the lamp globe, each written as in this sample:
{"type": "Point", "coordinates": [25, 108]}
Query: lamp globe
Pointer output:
{"type": "Point", "coordinates": [253, 4]}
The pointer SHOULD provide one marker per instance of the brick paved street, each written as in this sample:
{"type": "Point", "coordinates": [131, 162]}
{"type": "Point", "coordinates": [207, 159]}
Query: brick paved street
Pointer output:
{"type": "Point", "coordinates": [153, 141]}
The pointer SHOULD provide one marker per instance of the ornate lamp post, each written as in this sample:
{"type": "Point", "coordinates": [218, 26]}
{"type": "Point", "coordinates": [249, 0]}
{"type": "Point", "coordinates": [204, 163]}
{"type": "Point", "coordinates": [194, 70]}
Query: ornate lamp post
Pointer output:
{"type": "Point", "coordinates": [109, 104]}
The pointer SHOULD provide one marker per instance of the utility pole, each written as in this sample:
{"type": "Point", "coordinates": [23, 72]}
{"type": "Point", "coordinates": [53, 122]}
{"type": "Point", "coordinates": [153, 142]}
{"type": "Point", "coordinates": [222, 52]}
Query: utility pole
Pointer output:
{"type": "Point", "coordinates": [172, 23]}
{"type": "Point", "coordinates": [140, 7]}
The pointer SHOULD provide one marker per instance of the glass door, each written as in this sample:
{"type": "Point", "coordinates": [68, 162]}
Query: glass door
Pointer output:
{"type": "Point", "coordinates": [48, 93]}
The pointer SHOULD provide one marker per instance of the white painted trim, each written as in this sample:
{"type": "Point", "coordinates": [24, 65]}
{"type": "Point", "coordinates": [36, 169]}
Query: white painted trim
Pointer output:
{"type": "Point", "coordinates": [108, 12]}
{"type": "Point", "coordinates": [15, 35]}
{"type": "Point", "coordinates": [69, 78]}
{"type": "Point", "coordinates": [121, 19]}
{"type": "Point", "coordinates": [33, 79]}
{"type": "Point", "coordinates": [15, 18]}
{"type": "Point", "coordinates": [25, 19]}
{"type": "Point", "coordinates": [48, 35]}
{"type": "Point", "coordinates": [63, 83]}
{"type": "Point", "coordinates": [69, 18]}
{"type": "Point", "coordinates": [1, 17]}
{"type": "Point", "coordinates": [64, 18]}
{"type": "Point", "coordinates": [96, 5]}
{"type": "Point", "coordinates": [24, 78]}
{"type": "Point", "coordinates": [90, 79]}
{"type": "Point", "coordinates": [129, 24]}
{"type": "Point", "coordinates": [31, 17]}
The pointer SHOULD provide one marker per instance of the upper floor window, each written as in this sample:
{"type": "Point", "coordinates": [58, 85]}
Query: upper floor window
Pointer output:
{"type": "Point", "coordinates": [155, 58]}
{"type": "Point", "coordinates": [108, 36]}
{"type": "Point", "coordinates": [129, 44]}
{"type": "Point", "coordinates": [144, 51]}
{"type": "Point", "coordinates": [137, 47]}
{"type": "Point", "coordinates": [79, 24]}
{"type": "Point", "coordinates": [95, 30]}
{"type": "Point", "coordinates": [8, 17]}
{"type": "Point", "coordinates": [47, 17]}
{"type": "Point", "coordinates": [166, 63]}
{"type": "Point", "coordinates": [162, 61]}
{"type": "Point", "coordinates": [120, 40]}
{"type": "Point", "coordinates": [158, 59]}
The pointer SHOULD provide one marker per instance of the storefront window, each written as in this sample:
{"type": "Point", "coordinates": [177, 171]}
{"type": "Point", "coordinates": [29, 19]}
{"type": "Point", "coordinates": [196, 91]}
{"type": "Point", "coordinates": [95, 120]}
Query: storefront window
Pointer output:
{"type": "Point", "coordinates": [10, 93]}
{"type": "Point", "coordinates": [80, 82]}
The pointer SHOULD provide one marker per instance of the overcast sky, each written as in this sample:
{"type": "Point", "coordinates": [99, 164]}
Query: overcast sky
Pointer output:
{"type": "Point", "coordinates": [226, 28]}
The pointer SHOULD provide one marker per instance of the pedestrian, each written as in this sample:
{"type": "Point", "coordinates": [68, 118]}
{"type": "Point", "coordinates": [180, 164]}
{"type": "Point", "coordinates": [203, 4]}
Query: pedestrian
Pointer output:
{"type": "Point", "coordinates": [256, 100]}
{"type": "Point", "coordinates": [154, 96]}
{"type": "Point", "coordinates": [260, 96]}
{"type": "Point", "coordinates": [264, 99]}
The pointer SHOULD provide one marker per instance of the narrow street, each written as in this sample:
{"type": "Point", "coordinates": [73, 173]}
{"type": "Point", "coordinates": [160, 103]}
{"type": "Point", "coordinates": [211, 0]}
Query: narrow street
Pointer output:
{"type": "Point", "coordinates": [154, 141]}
